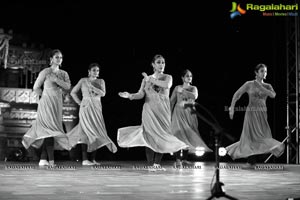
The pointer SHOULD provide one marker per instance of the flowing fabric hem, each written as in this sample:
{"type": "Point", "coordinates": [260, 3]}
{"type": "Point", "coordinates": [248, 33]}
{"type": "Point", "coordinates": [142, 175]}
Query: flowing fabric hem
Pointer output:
{"type": "Point", "coordinates": [38, 142]}
{"type": "Point", "coordinates": [143, 143]}
{"type": "Point", "coordinates": [107, 144]}
{"type": "Point", "coordinates": [277, 151]}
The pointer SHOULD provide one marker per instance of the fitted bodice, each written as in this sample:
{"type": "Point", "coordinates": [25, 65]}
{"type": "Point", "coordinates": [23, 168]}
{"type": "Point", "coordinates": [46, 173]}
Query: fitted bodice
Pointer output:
{"type": "Point", "coordinates": [86, 89]}
{"type": "Point", "coordinates": [256, 96]}
{"type": "Point", "coordinates": [151, 89]}
{"type": "Point", "coordinates": [49, 84]}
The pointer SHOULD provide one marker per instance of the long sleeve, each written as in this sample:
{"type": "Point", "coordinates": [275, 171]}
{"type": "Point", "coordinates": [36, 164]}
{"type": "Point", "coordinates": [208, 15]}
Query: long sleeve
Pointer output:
{"type": "Point", "coordinates": [140, 94]}
{"type": "Point", "coordinates": [192, 93]}
{"type": "Point", "coordinates": [64, 82]}
{"type": "Point", "coordinates": [268, 90]}
{"type": "Point", "coordinates": [75, 90]}
{"type": "Point", "coordinates": [237, 95]}
{"type": "Point", "coordinates": [272, 93]}
{"type": "Point", "coordinates": [167, 83]}
{"type": "Point", "coordinates": [173, 98]}
{"type": "Point", "coordinates": [37, 87]}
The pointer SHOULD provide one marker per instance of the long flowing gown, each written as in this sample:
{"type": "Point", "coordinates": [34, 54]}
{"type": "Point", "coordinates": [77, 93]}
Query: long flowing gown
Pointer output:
{"type": "Point", "coordinates": [155, 130]}
{"type": "Point", "coordinates": [256, 137]}
{"type": "Point", "coordinates": [185, 124]}
{"type": "Point", "coordinates": [49, 113]}
{"type": "Point", "coordinates": [91, 128]}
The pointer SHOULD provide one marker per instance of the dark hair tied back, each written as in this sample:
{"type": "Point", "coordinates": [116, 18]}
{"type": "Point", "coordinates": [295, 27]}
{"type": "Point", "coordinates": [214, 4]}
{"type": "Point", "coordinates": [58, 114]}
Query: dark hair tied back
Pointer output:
{"type": "Point", "coordinates": [157, 56]}
{"type": "Point", "coordinates": [260, 65]}
{"type": "Point", "coordinates": [92, 65]}
{"type": "Point", "coordinates": [54, 51]}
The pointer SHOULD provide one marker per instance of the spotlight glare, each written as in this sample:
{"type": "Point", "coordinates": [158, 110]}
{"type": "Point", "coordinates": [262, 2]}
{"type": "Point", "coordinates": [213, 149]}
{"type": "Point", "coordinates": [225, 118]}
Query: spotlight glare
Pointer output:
{"type": "Point", "coordinates": [222, 151]}
{"type": "Point", "coordinates": [200, 151]}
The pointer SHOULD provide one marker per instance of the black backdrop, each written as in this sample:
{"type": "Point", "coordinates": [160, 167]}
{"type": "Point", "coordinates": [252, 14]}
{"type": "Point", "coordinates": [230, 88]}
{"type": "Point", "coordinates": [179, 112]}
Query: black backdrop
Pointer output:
{"type": "Point", "coordinates": [123, 37]}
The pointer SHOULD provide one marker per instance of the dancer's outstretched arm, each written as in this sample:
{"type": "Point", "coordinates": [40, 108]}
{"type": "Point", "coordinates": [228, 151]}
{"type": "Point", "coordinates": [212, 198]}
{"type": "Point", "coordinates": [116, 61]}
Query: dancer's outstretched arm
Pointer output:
{"type": "Point", "coordinates": [139, 95]}
{"type": "Point", "coordinates": [237, 95]}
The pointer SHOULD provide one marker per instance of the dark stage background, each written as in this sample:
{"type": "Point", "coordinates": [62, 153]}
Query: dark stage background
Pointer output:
{"type": "Point", "coordinates": [123, 37]}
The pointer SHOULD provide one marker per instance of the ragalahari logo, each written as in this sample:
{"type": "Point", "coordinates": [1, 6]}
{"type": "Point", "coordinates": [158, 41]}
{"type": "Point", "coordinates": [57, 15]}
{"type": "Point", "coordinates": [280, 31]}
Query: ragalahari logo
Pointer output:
{"type": "Point", "coordinates": [236, 10]}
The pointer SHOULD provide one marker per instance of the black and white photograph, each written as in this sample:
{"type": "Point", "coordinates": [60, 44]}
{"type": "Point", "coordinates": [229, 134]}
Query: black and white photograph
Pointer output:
{"type": "Point", "coordinates": [149, 100]}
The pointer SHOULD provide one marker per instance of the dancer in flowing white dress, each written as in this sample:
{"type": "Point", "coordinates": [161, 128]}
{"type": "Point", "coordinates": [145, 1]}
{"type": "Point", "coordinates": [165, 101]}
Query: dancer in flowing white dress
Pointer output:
{"type": "Point", "coordinates": [184, 123]}
{"type": "Point", "coordinates": [47, 131]}
{"type": "Point", "coordinates": [91, 131]}
{"type": "Point", "coordinates": [256, 137]}
{"type": "Point", "coordinates": [155, 131]}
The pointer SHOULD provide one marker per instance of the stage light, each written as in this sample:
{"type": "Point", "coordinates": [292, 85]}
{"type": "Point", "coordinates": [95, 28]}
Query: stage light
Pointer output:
{"type": "Point", "coordinates": [200, 151]}
{"type": "Point", "coordinates": [222, 151]}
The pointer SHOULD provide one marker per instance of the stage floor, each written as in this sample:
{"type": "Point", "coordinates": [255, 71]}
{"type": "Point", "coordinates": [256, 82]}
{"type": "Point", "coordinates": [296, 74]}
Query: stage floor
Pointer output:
{"type": "Point", "coordinates": [131, 180]}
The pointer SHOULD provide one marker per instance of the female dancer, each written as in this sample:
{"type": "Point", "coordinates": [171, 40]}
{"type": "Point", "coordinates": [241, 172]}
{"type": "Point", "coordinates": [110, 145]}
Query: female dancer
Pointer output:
{"type": "Point", "coordinates": [256, 135]}
{"type": "Point", "coordinates": [47, 130]}
{"type": "Point", "coordinates": [185, 124]}
{"type": "Point", "coordinates": [90, 132]}
{"type": "Point", "coordinates": [155, 131]}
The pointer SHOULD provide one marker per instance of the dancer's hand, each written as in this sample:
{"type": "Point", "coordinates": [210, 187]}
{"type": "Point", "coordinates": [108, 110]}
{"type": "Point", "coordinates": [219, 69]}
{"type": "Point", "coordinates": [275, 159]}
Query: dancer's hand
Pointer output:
{"type": "Point", "coordinates": [231, 112]}
{"type": "Point", "coordinates": [182, 104]}
{"type": "Point", "coordinates": [52, 77]}
{"type": "Point", "coordinates": [125, 95]}
{"type": "Point", "coordinates": [39, 92]}
{"type": "Point", "coordinates": [179, 89]}
{"type": "Point", "coordinates": [146, 77]}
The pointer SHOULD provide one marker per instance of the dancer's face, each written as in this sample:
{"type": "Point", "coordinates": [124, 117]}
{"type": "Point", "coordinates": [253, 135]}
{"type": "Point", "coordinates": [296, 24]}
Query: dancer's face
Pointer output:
{"type": "Point", "coordinates": [188, 77]}
{"type": "Point", "coordinates": [159, 65]}
{"type": "Point", "coordinates": [262, 73]}
{"type": "Point", "coordinates": [94, 72]}
{"type": "Point", "coordinates": [57, 59]}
